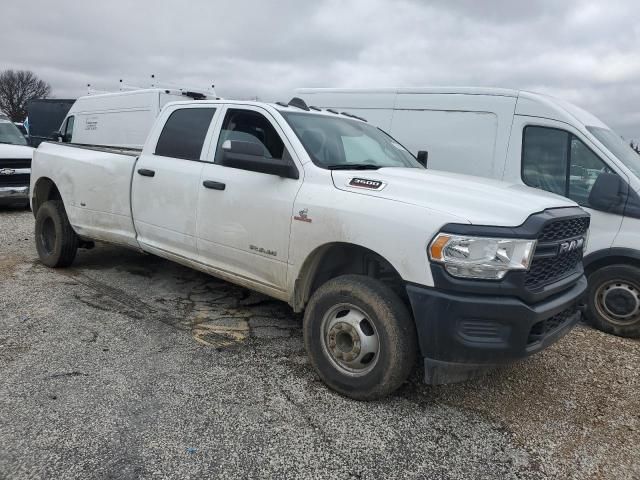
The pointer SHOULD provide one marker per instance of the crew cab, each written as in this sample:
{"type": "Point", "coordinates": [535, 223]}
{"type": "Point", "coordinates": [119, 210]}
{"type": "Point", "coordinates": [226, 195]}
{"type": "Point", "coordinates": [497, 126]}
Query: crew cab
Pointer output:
{"type": "Point", "coordinates": [389, 261]}
{"type": "Point", "coordinates": [15, 164]}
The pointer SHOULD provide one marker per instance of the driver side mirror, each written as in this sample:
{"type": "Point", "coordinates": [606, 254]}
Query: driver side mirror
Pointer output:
{"type": "Point", "coordinates": [609, 193]}
{"type": "Point", "coordinates": [422, 157]}
{"type": "Point", "coordinates": [57, 136]}
{"type": "Point", "coordinates": [250, 156]}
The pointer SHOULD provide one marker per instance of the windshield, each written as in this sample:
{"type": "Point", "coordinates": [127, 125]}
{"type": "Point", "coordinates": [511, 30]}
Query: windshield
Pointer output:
{"type": "Point", "coordinates": [9, 133]}
{"type": "Point", "coordinates": [336, 142]}
{"type": "Point", "coordinates": [618, 147]}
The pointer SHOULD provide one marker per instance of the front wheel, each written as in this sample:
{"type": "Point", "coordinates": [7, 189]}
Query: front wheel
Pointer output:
{"type": "Point", "coordinates": [56, 242]}
{"type": "Point", "coordinates": [614, 300]}
{"type": "Point", "coordinates": [360, 337]}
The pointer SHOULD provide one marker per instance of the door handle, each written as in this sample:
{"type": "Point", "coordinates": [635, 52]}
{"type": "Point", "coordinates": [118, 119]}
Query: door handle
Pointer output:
{"type": "Point", "coordinates": [214, 185]}
{"type": "Point", "coordinates": [146, 173]}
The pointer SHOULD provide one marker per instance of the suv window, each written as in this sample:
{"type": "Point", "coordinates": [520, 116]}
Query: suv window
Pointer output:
{"type": "Point", "coordinates": [557, 161]}
{"type": "Point", "coordinates": [68, 130]}
{"type": "Point", "coordinates": [184, 133]}
{"type": "Point", "coordinates": [252, 127]}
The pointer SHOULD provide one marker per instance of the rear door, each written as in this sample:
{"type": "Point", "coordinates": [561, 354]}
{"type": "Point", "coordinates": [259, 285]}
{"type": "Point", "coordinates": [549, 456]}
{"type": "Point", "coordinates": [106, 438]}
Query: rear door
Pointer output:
{"type": "Point", "coordinates": [244, 217]}
{"type": "Point", "coordinates": [166, 180]}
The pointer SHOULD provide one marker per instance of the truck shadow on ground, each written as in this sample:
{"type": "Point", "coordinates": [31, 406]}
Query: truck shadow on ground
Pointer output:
{"type": "Point", "coordinates": [217, 313]}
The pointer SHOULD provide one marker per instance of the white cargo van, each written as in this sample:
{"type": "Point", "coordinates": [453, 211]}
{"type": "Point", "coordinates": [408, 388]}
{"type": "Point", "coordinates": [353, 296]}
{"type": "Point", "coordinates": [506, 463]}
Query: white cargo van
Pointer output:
{"type": "Point", "coordinates": [120, 119]}
{"type": "Point", "coordinates": [534, 140]}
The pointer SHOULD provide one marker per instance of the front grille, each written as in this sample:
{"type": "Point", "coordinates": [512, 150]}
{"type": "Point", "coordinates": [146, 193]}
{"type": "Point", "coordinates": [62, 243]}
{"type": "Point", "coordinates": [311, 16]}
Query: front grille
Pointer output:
{"type": "Point", "coordinates": [549, 265]}
{"type": "Point", "coordinates": [539, 331]}
{"type": "Point", "coordinates": [20, 180]}
{"type": "Point", "coordinates": [544, 271]}
{"type": "Point", "coordinates": [15, 163]}
{"type": "Point", "coordinates": [563, 229]}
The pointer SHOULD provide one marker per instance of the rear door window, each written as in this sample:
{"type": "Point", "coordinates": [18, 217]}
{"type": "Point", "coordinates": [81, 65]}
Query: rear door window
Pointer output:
{"type": "Point", "coordinates": [184, 132]}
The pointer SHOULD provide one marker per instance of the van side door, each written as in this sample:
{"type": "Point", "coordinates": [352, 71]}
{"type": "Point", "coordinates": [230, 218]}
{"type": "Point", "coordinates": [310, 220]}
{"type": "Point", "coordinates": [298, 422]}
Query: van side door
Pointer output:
{"type": "Point", "coordinates": [554, 156]}
{"type": "Point", "coordinates": [166, 180]}
{"type": "Point", "coordinates": [244, 214]}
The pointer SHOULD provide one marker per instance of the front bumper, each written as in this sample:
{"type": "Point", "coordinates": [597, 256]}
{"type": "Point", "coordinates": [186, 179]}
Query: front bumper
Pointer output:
{"type": "Point", "coordinates": [462, 334]}
{"type": "Point", "coordinates": [11, 195]}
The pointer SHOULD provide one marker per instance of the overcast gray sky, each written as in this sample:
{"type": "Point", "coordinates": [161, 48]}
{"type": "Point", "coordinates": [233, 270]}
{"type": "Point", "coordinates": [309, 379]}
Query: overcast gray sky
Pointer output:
{"type": "Point", "coordinates": [585, 52]}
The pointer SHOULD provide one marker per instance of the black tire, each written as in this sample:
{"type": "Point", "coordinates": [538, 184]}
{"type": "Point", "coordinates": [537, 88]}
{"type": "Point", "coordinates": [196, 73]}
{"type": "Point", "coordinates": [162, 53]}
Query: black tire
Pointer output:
{"type": "Point", "coordinates": [56, 242]}
{"type": "Point", "coordinates": [617, 311]}
{"type": "Point", "coordinates": [393, 327]}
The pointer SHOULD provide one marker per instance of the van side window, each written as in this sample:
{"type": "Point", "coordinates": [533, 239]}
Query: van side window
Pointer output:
{"type": "Point", "coordinates": [250, 127]}
{"type": "Point", "coordinates": [67, 135]}
{"type": "Point", "coordinates": [184, 132]}
{"type": "Point", "coordinates": [557, 161]}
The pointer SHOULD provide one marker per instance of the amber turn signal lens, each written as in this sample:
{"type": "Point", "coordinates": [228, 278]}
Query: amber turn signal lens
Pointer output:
{"type": "Point", "coordinates": [435, 250]}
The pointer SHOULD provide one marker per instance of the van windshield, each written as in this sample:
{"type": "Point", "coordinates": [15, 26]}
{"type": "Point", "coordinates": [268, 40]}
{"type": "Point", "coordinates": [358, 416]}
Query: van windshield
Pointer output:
{"type": "Point", "coordinates": [337, 142]}
{"type": "Point", "coordinates": [9, 133]}
{"type": "Point", "coordinates": [618, 147]}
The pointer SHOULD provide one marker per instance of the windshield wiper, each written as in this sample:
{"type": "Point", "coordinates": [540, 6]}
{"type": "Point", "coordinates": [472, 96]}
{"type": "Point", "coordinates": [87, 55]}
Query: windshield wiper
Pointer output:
{"type": "Point", "coordinates": [354, 166]}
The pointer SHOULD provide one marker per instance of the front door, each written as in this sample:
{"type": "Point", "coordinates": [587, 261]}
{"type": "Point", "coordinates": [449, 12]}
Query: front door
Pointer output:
{"type": "Point", "coordinates": [166, 183]}
{"type": "Point", "coordinates": [556, 158]}
{"type": "Point", "coordinates": [244, 217]}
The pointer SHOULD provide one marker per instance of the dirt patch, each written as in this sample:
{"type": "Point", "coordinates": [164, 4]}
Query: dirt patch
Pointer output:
{"type": "Point", "coordinates": [9, 264]}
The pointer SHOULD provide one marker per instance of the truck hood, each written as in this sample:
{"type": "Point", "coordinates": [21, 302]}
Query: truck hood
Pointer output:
{"type": "Point", "coordinates": [476, 200]}
{"type": "Point", "coordinates": [15, 151]}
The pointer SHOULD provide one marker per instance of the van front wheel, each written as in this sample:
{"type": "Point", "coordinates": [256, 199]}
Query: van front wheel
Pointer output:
{"type": "Point", "coordinates": [360, 337]}
{"type": "Point", "coordinates": [614, 300]}
{"type": "Point", "coordinates": [56, 242]}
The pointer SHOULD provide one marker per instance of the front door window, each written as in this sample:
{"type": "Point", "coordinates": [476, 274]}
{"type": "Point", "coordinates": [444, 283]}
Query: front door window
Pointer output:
{"type": "Point", "coordinates": [557, 161]}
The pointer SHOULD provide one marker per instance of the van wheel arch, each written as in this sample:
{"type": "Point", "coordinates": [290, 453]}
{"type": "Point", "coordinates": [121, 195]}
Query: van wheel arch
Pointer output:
{"type": "Point", "coordinates": [342, 258]}
{"type": "Point", "coordinates": [610, 256]}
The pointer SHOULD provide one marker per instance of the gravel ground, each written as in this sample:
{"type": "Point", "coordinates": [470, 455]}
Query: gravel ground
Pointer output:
{"type": "Point", "coordinates": [129, 366]}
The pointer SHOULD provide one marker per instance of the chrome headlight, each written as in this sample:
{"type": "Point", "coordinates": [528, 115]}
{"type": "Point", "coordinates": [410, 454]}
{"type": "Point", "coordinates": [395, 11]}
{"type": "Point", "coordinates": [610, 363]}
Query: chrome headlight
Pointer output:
{"type": "Point", "coordinates": [481, 257]}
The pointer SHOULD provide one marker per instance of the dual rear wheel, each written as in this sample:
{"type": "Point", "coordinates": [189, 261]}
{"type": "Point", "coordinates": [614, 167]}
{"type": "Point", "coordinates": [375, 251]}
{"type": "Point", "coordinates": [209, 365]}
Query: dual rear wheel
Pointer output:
{"type": "Point", "coordinates": [56, 242]}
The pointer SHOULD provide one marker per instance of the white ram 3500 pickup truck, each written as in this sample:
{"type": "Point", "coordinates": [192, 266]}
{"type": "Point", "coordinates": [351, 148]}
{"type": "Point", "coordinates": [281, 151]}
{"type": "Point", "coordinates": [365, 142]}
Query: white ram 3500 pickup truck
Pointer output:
{"type": "Point", "coordinates": [321, 210]}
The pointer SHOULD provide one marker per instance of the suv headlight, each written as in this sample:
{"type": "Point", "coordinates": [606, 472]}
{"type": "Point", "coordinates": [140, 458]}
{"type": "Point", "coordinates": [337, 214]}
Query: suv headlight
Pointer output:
{"type": "Point", "coordinates": [481, 257]}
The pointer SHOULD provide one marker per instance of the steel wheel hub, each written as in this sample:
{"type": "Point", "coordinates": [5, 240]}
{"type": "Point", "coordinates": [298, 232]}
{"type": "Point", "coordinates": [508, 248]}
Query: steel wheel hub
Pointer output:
{"type": "Point", "coordinates": [619, 302]}
{"type": "Point", "coordinates": [350, 340]}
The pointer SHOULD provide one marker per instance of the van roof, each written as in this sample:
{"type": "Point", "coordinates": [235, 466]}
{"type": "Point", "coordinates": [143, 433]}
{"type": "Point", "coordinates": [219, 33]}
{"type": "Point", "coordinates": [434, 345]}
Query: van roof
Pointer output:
{"type": "Point", "coordinates": [529, 103]}
{"type": "Point", "coordinates": [504, 92]}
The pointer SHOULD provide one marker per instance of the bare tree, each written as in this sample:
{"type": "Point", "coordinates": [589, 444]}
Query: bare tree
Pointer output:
{"type": "Point", "coordinates": [17, 88]}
